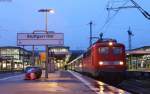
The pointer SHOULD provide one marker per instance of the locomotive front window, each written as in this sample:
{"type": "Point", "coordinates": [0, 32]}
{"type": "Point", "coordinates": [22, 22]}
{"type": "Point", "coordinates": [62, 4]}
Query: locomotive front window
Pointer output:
{"type": "Point", "coordinates": [117, 50]}
{"type": "Point", "coordinates": [104, 50]}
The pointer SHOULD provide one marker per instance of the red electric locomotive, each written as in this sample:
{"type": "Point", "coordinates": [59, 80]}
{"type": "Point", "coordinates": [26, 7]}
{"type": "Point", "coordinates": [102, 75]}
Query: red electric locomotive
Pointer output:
{"type": "Point", "coordinates": [104, 57]}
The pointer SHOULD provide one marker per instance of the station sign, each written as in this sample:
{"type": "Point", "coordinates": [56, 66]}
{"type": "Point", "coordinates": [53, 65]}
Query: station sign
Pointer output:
{"type": "Point", "coordinates": [39, 39]}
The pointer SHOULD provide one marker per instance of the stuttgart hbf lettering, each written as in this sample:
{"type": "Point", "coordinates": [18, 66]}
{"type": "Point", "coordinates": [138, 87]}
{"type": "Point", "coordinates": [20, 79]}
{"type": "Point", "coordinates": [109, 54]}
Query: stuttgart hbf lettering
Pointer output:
{"type": "Point", "coordinates": [39, 36]}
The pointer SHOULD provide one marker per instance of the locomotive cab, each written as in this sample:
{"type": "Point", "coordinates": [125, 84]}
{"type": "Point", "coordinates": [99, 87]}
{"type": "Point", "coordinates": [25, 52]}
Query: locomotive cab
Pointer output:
{"type": "Point", "coordinates": [110, 57]}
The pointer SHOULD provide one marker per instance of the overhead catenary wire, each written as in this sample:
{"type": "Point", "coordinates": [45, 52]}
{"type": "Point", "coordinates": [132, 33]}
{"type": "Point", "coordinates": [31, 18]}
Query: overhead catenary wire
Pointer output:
{"type": "Point", "coordinates": [108, 19]}
{"type": "Point", "coordinates": [135, 5]}
{"type": "Point", "coordinates": [145, 13]}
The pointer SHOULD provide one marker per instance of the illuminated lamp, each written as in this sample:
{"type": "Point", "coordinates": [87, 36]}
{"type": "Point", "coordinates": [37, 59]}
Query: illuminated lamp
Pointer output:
{"type": "Point", "coordinates": [100, 63]}
{"type": "Point", "coordinates": [110, 43]}
{"type": "Point", "coordinates": [121, 63]}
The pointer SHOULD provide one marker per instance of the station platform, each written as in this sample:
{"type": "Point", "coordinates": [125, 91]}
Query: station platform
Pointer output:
{"type": "Point", "coordinates": [69, 82]}
{"type": "Point", "coordinates": [59, 82]}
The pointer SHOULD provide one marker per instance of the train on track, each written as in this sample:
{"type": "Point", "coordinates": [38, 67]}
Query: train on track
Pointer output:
{"type": "Point", "coordinates": [105, 58]}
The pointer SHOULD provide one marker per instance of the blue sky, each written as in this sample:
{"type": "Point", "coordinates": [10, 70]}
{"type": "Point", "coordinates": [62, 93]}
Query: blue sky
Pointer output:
{"type": "Point", "coordinates": [71, 18]}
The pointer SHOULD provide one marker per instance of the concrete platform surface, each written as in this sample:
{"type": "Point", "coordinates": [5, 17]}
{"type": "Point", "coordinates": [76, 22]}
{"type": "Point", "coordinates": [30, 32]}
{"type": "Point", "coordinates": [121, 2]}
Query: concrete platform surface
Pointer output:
{"type": "Point", "coordinates": [60, 82]}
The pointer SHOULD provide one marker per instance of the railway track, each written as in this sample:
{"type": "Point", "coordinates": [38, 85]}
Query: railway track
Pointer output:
{"type": "Point", "coordinates": [135, 82]}
{"type": "Point", "coordinates": [136, 86]}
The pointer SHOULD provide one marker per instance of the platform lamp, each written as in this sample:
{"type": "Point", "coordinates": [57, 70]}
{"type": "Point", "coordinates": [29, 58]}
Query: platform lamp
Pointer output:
{"type": "Point", "coordinates": [46, 11]}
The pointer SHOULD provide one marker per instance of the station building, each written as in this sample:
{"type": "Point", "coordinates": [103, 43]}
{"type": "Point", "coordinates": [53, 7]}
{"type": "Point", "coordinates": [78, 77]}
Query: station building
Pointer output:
{"type": "Point", "coordinates": [139, 58]}
{"type": "Point", "coordinates": [14, 58]}
{"type": "Point", "coordinates": [58, 57]}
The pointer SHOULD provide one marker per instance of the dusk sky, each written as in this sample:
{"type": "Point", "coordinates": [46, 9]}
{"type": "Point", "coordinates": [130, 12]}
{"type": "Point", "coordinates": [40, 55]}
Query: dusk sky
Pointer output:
{"type": "Point", "coordinates": [71, 18]}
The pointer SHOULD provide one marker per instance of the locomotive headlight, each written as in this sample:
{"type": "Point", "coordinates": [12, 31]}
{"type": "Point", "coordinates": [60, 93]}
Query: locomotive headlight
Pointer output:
{"type": "Point", "coordinates": [100, 63]}
{"type": "Point", "coordinates": [121, 62]}
{"type": "Point", "coordinates": [110, 43]}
